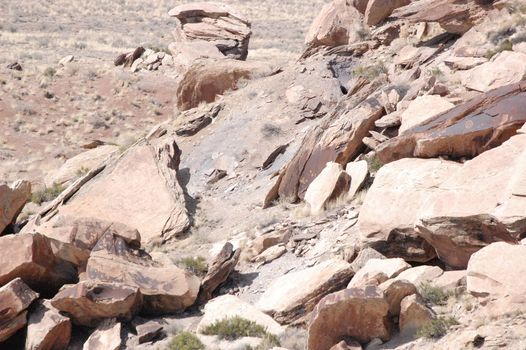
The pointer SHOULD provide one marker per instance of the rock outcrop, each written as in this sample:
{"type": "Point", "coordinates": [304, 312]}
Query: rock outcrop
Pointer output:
{"type": "Point", "coordinates": [214, 24]}
{"type": "Point", "coordinates": [47, 328]}
{"type": "Point", "coordinates": [286, 302]}
{"type": "Point", "coordinates": [12, 201]}
{"type": "Point", "coordinates": [15, 298]}
{"type": "Point", "coordinates": [332, 183]}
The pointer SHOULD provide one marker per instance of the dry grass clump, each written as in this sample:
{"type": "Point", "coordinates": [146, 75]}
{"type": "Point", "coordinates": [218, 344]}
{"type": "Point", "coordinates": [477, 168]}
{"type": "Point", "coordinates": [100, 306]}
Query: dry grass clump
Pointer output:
{"type": "Point", "coordinates": [185, 341]}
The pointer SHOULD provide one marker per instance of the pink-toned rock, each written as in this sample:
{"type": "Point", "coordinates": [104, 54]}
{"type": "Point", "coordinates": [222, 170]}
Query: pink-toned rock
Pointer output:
{"type": "Point", "coordinates": [361, 314]}
{"type": "Point", "coordinates": [334, 25]}
{"type": "Point", "coordinates": [421, 274]}
{"type": "Point", "coordinates": [12, 201]}
{"type": "Point", "coordinates": [358, 172]}
{"type": "Point", "coordinates": [378, 10]}
{"type": "Point", "coordinates": [330, 184]}
{"type": "Point", "coordinates": [421, 109]}
{"type": "Point", "coordinates": [450, 280]}
{"type": "Point", "coordinates": [107, 336]}
{"type": "Point", "coordinates": [413, 314]}
{"type": "Point", "coordinates": [347, 345]}
{"type": "Point", "coordinates": [394, 290]}
{"type": "Point", "coordinates": [390, 267]}
{"type": "Point", "coordinates": [89, 302]}
{"type": "Point", "coordinates": [47, 328]}
{"type": "Point", "coordinates": [15, 298]}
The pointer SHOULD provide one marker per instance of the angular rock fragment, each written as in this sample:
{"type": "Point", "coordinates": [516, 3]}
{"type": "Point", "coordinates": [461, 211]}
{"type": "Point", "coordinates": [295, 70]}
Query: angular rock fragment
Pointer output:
{"type": "Point", "coordinates": [12, 201]}
{"type": "Point", "coordinates": [107, 336]}
{"type": "Point", "coordinates": [15, 298]}
{"type": "Point", "coordinates": [390, 267]}
{"type": "Point", "coordinates": [330, 184]}
{"type": "Point", "coordinates": [413, 314]}
{"type": "Point", "coordinates": [47, 328]}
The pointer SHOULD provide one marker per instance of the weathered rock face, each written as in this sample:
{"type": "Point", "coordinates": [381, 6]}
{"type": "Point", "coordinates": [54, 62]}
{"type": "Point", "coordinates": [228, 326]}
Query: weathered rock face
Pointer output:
{"type": "Point", "coordinates": [213, 23]}
{"type": "Point", "coordinates": [286, 302]}
{"type": "Point", "coordinates": [390, 267]}
{"type": "Point", "coordinates": [453, 15]}
{"type": "Point", "coordinates": [507, 67]}
{"type": "Point", "coordinates": [497, 270]}
{"type": "Point", "coordinates": [406, 185]}
{"type": "Point", "coordinates": [394, 290]}
{"type": "Point", "coordinates": [330, 184]}
{"type": "Point", "coordinates": [358, 172]}
{"type": "Point", "coordinates": [338, 138]}
{"type": "Point", "coordinates": [15, 298]}
{"type": "Point", "coordinates": [456, 238]}
{"type": "Point", "coordinates": [358, 313]}
{"type": "Point", "coordinates": [140, 188]}
{"type": "Point", "coordinates": [165, 288]}
{"type": "Point", "coordinates": [421, 109]}
{"type": "Point", "coordinates": [466, 130]}
{"type": "Point", "coordinates": [206, 79]}
{"type": "Point", "coordinates": [334, 25]}
{"type": "Point", "coordinates": [75, 167]}
{"type": "Point", "coordinates": [227, 306]}
{"type": "Point", "coordinates": [72, 238]}
{"type": "Point", "coordinates": [90, 302]}
{"type": "Point", "coordinates": [413, 314]}
{"type": "Point", "coordinates": [47, 329]}
{"type": "Point", "coordinates": [218, 271]}
{"type": "Point", "coordinates": [267, 240]}
{"type": "Point", "coordinates": [421, 274]}
{"type": "Point", "coordinates": [31, 258]}
{"type": "Point", "coordinates": [378, 10]}
{"type": "Point", "coordinates": [12, 201]}
{"type": "Point", "coordinates": [107, 336]}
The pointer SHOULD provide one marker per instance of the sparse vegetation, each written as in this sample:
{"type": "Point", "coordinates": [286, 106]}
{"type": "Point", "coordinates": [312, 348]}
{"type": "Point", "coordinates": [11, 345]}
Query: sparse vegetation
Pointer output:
{"type": "Point", "coordinates": [268, 342]}
{"type": "Point", "coordinates": [269, 130]}
{"type": "Point", "coordinates": [82, 171]}
{"type": "Point", "coordinates": [196, 265]}
{"type": "Point", "coordinates": [370, 72]}
{"type": "Point", "coordinates": [374, 164]}
{"type": "Point", "coordinates": [185, 341]}
{"type": "Point", "coordinates": [436, 328]}
{"type": "Point", "coordinates": [433, 294]}
{"type": "Point", "coordinates": [235, 328]}
{"type": "Point", "coordinates": [505, 45]}
{"type": "Point", "coordinates": [50, 72]}
{"type": "Point", "coordinates": [47, 194]}
{"type": "Point", "coordinates": [160, 49]}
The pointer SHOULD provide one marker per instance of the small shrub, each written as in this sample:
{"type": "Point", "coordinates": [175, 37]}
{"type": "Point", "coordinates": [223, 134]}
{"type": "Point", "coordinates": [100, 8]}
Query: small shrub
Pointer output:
{"type": "Point", "coordinates": [160, 49]}
{"type": "Point", "coordinates": [268, 130]}
{"type": "Point", "coordinates": [82, 171]}
{"type": "Point", "coordinates": [196, 265]}
{"type": "Point", "coordinates": [370, 72]}
{"type": "Point", "coordinates": [505, 45]}
{"type": "Point", "coordinates": [185, 341]}
{"type": "Point", "coordinates": [436, 328]}
{"type": "Point", "coordinates": [50, 72]}
{"type": "Point", "coordinates": [268, 342]}
{"type": "Point", "coordinates": [235, 328]}
{"type": "Point", "coordinates": [47, 194]}
{"type": "Point", "coordinates": [375, 164]}
{"type": "Point", "coordinates": [434, 295]}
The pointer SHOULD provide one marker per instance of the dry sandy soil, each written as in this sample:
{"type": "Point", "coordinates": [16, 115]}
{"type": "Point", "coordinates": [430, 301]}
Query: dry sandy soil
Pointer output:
{"type": "Point", "coordinates": [48, 112]}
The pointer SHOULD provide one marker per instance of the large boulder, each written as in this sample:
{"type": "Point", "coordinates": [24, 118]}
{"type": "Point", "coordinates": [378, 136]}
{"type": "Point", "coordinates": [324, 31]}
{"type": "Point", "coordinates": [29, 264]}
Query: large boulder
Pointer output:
{"type": "Point", "coordinates": [390, 267]}
{"type": "Point", "coordinates": [334, 25]}
{"type": "Point", "coordinates": [228, 306]}
{"type": "Point", "coordinates": [12, 201]}
{"type": "Point", "coordinates": [466, 130]}
{"type": "Point", "coordinates": [391, 206]}
{"type": "Point", "coordinates": [47, 328]}
{"type": "Point", "coordinates": [30, 257]}
{"type": "Point", "coordinates": [456, 238]}
{"type": "Point", "coordinates": [89, 302]}
{"type": "Point", "coordinates": [165, 287]}
{"type": "Point", "coordinates": [139, 188]}
{"type": "Point", "coordinates": [421, 109]}
{"type": "Point", "coordinates": [361, 314]}
{"type": "Point", "coordinates": [498, 270]}
{"type": "Point", "coordinates": [286, 302]}
{"type": "Point", "coordinates": [507, 67]}
{"type": "Point", "coordinates": [77, 166]}
{"type": "Point", "coordinates": [15, 298]}
{"type": "Point", "coordinates": [215, 24]}
{"type": "Point", "coordinates": [378, 10]}
{"type": "Point", "coordinates": [330, 184]}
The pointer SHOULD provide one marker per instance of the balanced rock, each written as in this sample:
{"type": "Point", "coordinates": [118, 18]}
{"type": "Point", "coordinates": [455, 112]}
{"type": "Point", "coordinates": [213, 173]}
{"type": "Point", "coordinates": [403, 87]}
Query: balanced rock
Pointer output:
{"type": "Point", "coordinates": [215, 24]}
{"type": "Point", "coordinates": [165, 287]}
{"type": "Point", "coordinates": [12, 201]}
{"type": "Point", "coordinates": [286, 302]}
{"type": "Point", "coordinates": [47, 328]}
{"type": "Point", "coordinates": [15, 298]}
{"type": "Point", "coordinates": [330, 184]}
{"type": "Point", "coordinates": [361, 314]}
{"type": "Point", "coordinates": [90, 302]}
{"type": "Point", "coordinates": [31, 258]}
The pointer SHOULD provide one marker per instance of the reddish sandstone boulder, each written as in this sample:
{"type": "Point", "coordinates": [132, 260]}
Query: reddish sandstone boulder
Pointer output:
{"type": "Point", "coordinates": [15, 298]}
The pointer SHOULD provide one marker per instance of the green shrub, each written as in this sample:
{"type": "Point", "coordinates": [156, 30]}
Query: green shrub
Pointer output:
{"type": "Point", "coordinates": [370, 72]}
{"type": "Point", "coordinates": [50, 72]}
{"type": "Point", "coordinates": [436, 328]}
{"type": "Point", "coordinates": [375, 164]}
{"type": "Point", "coordinates": [434, 295]}
{"type": "Point", "coordinates": [47, 194]}
{"type": "Point", "coordinates": [235, 328]}
{"type": "Point", "coordinates": [196, 265]}
{"type": "Point", "coordinates": [185, 341]}
{"type": "Point", "coordinates": [268, 342]}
